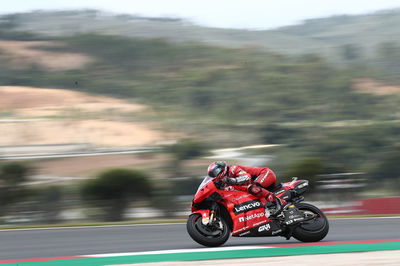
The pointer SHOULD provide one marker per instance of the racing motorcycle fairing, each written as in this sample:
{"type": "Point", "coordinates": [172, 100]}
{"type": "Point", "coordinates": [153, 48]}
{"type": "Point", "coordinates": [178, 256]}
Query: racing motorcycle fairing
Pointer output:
{"type": "Point", "coordinates": [247, 212]}
{"type": "Point", "coordinates": [220, 210]}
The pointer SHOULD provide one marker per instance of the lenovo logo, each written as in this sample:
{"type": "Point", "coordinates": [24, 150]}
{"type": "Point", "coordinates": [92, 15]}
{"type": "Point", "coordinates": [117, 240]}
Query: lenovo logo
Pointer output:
{"type": "Point", "coordinates": [247, 206]}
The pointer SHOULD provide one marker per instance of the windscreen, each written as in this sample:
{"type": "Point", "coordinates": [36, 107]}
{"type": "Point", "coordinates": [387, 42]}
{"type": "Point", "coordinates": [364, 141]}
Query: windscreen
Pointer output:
{"type": "Point", "coordinates": [206, 180]}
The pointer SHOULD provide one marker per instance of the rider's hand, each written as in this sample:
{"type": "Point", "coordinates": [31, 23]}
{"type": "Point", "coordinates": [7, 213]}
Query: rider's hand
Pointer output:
{"type": "Point", "coordinates": [230, 181]}
{"type": "Point", "coordinates": [220, 184]}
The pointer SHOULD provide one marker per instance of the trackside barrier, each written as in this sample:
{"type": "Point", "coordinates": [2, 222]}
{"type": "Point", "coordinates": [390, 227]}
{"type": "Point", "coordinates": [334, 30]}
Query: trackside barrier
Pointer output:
{"type": "Point", "coordinates": [384, 206]}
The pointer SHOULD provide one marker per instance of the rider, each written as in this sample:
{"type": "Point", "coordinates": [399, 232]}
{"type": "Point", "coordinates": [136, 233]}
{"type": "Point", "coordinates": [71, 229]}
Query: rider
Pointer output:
{"type": "Point", "coordinates": [257, 181]}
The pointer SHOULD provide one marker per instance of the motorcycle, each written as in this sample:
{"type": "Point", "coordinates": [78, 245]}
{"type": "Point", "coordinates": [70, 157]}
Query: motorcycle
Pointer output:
{"type": "Point", "coordinates": [220, 210]}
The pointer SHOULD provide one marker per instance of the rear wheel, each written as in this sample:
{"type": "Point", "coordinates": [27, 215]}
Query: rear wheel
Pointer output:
{"type": "Point", "coordinates": [208, 235]}
{"type": "Point", "coordinates": [314, 229]}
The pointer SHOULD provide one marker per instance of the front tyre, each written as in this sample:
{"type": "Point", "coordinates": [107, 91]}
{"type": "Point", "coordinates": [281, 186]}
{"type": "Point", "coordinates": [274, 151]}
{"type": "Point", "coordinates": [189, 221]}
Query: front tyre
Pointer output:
{"type": "Point", "coordinates": [210, 236]}
{"type": "Point", "coordinates": [313, 230]}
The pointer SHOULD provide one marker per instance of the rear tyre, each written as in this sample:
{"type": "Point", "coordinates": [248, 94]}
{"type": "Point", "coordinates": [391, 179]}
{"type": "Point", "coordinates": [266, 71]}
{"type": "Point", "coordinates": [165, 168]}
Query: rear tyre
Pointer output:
{"type": "Point", "coordinates": [313, 230]}
{"type": "Point", "coordinates": [210, 236]}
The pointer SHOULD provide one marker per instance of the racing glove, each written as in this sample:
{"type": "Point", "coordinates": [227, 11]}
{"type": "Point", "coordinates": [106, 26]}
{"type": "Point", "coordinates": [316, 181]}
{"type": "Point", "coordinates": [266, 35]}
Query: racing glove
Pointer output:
{"type": "Point", "coordinates": [230, 181]}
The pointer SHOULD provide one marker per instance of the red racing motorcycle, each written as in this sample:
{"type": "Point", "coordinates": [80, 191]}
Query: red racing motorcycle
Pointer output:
{"type": "Point", "coordinates": [220, 210]}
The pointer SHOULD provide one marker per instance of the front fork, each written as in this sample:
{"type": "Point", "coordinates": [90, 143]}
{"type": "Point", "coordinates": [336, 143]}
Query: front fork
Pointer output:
{"type": "Point", "coordinates": [208, 216]}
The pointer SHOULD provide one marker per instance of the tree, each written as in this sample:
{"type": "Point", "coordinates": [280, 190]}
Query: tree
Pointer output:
{"type": "Point", "coordinates": [172, 194]}
{"type": "Point", "coordinates": [350, 52]}
{"type": "Point", "coordinates": [389, 50]}
{"type": "Point", "coordinates": [308, 168]}
{"type": "Point", "coordinates": [388, 58]}
{"type": "Point", "coordinates": [184, 150]}
{"type": "Point", "coordinates": [187, 149]}
{"type": "Point", "coordinates": [274, 133]}
{"type": "Point", "coordinates": [114, 189]}
{"type": "Point", "coordinates": [11, 176]}
{"type": "Point", "coordinates": [388, 168]}
{"type": "Point", "coordinates": [49, 200]}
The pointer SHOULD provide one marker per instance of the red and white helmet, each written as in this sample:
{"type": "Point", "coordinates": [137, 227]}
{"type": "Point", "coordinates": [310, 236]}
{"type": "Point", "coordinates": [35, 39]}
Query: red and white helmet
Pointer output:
{"type": "Point", "coordinates": [217, 169]}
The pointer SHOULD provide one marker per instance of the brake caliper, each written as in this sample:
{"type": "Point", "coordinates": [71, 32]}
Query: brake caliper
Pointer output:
{"type": "Point", "coordinates": [205, 216]}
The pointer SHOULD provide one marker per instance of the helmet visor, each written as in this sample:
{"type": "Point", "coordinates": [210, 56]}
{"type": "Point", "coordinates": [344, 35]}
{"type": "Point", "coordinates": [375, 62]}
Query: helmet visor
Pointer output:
{"type": "Point", "coordinates": [215, 172]}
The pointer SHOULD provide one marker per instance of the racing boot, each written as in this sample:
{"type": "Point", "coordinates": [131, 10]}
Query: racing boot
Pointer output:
{"type": "Point", "coordinates": [279, 204]}
{"type": "Point", "coordinates": [260, 192]}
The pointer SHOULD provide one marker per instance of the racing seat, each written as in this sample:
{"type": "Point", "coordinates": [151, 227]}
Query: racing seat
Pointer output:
{"type": "Point", "coordinates": [274, 187]}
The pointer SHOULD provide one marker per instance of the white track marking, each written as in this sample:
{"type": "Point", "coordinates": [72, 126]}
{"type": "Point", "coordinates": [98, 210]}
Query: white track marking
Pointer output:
{"type": "Point", "coordinates": [157, 252]}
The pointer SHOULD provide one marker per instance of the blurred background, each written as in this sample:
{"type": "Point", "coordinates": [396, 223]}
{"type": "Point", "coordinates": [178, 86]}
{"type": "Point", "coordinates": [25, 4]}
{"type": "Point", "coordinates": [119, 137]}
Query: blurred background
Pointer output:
{"type": "Point", "coordinates": [112, 110]}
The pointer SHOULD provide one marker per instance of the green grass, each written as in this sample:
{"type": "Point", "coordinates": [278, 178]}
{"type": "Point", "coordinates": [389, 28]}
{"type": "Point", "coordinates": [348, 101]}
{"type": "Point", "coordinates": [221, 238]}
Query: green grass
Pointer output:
{"type": "Point", "coordinates": [213, 255]}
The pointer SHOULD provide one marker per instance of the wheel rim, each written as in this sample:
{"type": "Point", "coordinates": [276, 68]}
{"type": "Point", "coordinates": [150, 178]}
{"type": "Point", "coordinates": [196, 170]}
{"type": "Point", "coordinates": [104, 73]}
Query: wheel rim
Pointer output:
{"type": "Point", "coordinates": [208, 231]}
{"type": "Point", "coordinates": [316, 223]}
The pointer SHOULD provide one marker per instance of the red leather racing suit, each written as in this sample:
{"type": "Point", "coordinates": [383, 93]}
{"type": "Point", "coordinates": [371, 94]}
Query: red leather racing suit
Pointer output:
{"type": "Point", "coordinates": [265, 177]}
{"type": "Point", "coordinates": [257, 181]}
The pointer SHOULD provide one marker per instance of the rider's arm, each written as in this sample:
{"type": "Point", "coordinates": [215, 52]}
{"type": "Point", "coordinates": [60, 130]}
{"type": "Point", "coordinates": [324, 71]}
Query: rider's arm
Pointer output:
{"type": "Point", "coordinates": [240, 175]}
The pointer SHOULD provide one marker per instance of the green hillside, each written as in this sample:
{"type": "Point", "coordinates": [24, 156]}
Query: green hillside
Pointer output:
{"type": "Point", "coordinates": [226, 96]}
{"type": "Point", "coordinates": [325, 35]}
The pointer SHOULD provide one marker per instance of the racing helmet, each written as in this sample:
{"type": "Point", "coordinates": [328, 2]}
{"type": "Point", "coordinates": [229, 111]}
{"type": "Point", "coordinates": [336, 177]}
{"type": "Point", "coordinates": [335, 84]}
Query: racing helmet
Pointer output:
{"type": "Point", "coordinates": [217, 169]}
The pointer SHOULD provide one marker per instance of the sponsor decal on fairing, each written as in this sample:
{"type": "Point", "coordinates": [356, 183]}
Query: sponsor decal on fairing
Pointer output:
{"type": "Point", "coordinates": [244, 233]}
{"type": "Point", "coordinates": [251, 217]}
{"type": "Point", "coordinates": [240, 230]}
{"type": "Point", "coordinates": [265, 227]}
{"type": "Point", "coordinates": [258, 223]}
{"type": "Point", "coordinates": [276, 232]}
{"type": "Point", "coordinates": [241, 197]}
{"type": "Point", "coordinates": [247, 206]}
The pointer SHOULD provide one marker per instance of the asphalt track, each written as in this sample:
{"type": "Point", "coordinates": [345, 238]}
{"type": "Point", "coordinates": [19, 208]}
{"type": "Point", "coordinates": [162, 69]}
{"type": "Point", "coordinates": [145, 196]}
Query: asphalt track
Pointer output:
{"type": "Point", "coordinates": [59, 242]}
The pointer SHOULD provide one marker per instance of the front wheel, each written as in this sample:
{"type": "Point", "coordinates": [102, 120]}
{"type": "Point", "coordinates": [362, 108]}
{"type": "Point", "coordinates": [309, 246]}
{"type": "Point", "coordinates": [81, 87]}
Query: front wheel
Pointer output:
{"type": "Point", "coordinates": [207, 235]}
{"type": "Point", "coordinates": [312, 230]}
